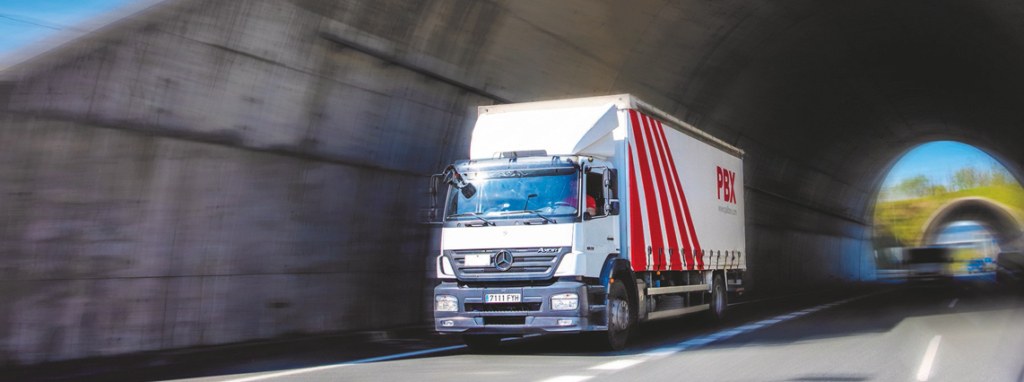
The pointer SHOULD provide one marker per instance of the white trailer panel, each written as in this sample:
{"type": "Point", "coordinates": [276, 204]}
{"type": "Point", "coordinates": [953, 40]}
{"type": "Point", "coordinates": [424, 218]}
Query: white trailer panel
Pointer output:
{"type": "Point", "coordinates": [685, 200]}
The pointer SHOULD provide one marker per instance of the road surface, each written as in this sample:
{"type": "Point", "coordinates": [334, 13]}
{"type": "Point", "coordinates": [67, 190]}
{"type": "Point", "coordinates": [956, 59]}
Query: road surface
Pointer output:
{"type": "Point", "coordinates": [963, 332]}
{"type": "Point", "coordinates": [967, 331]}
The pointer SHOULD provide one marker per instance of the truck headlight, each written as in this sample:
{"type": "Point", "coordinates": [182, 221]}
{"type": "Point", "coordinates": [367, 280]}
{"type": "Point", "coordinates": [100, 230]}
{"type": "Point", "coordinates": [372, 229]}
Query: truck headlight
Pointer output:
{"type": "Point", "coordinates": [445, 303]}
{"type": "Point", "coordinates": [565, 301]}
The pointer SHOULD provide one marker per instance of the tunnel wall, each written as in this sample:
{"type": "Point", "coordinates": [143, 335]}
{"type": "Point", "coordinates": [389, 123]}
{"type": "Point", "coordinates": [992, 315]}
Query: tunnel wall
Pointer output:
{"type": "Point", "coordinates": [123, 242]}
{"type": "Point", "coordinates": [218, 171]}
{"type": "Point", "coordinates": [201, 176]}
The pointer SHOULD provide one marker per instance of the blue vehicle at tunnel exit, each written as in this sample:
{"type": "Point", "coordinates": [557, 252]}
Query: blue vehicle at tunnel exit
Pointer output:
{"type": "Point", "coordinates": [587, 215]}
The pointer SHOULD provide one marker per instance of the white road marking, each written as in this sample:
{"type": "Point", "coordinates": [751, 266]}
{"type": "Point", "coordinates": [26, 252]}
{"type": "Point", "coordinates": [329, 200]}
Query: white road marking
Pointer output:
{"type": "Point", "coordinates": [664, 351]}
{"type": "Point", "coordinates": [284, 373]}
{"type": "Point", "coordinates": [617, 365]}
{"type": "Point", "coordinates": [614, 365]}
{"type": "Point", "coordinates": [404, 355]}
{"type": "Point", "coordinates": [952, 304]}
{"type": "Point", "coordinates": [569, 378]}
{"type": "Point", "coordinates": [929, 357]}
{"type": "Point", "coordinates": [728, 333]}
{"type": "Point", "coordinates": [725, 334]}
{"type": "Point", "coordinates": [356, 362]}
{"type": "Point", "coordinates": [698, 341]}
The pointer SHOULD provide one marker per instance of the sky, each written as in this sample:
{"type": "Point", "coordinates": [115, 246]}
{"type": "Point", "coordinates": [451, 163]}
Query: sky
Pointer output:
{"type": "Point", "coordinates": [25, 22]}
{"type": "Point", "coordinates": [937, 160]}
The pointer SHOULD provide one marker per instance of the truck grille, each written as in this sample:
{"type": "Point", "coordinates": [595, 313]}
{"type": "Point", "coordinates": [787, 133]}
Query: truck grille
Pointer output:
{"type": "Point", "coordinates": [527, 264]}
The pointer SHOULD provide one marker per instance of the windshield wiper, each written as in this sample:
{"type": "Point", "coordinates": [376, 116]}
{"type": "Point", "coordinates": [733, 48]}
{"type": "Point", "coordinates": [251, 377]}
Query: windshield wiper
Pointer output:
{"type": "Point", "coordinates": [535, 212]}
{"type": "Point", "coordinates": [473, 214]}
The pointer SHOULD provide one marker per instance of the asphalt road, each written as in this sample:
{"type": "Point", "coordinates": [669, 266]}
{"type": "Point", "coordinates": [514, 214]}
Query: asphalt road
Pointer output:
{"type": "Point", "coordinates": [968, 331]}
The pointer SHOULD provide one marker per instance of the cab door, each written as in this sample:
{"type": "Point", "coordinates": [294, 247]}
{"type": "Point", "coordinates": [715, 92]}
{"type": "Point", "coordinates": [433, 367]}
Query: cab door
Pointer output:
{"type": "Point", "coordinates": [600, 236]}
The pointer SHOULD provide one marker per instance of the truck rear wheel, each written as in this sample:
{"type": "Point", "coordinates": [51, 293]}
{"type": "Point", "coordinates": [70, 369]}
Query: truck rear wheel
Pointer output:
{"type": "Point", "coordinates": [481, 342]}
{"type": "Point", "coordinates": [719, 299]}
{"type": "Point", "coordinates": [619, 317]}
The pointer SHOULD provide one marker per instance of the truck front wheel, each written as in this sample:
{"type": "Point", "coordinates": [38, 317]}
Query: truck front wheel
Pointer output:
{"type": "Point", "coordinates": [619, 317]}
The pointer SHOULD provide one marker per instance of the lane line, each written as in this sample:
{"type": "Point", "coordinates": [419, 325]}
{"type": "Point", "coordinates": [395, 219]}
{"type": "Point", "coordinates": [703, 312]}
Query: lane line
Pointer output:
{"type": "Point", "coordinates": [952, 304]}
{"type": "Point", "coordinates": [661, 352]}
{"type": "Point", "coordinates": [706, 339]}
{"type": "Point", "coordinates": [729, 333]}
{"type": "Point", "coordinates": [617, 365]}
{"type": "Point", "coordinates": [404, 355]}
{"type": "Point", "coordinates": [284, 373]}
{"type": "Point", "coordinates": [569, 378]}
{"type": "Point", "coordinates": [356, 362]}
{"type": "Point", "coordinates": [929, 357]}
{"type": "Point", "coordinates": [614, 365]}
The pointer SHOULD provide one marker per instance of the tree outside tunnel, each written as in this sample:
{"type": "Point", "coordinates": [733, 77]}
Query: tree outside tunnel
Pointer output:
{"type": "Point", "coordinates": [950, 194]}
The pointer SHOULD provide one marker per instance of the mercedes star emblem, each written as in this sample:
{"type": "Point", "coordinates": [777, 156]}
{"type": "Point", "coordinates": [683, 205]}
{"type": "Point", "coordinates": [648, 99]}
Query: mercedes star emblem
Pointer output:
{"type": "Point", "coordinates": [503, 260]}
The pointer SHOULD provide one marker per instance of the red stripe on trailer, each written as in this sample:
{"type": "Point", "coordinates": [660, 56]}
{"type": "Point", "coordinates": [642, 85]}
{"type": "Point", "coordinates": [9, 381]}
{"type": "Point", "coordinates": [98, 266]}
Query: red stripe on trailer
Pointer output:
{"type": "Point", "coordinates": [637, 249]}
{"type": "Point", "coordinates": [672, 209]}
{"type": "Point", "coordinates": [695, 250]}
{"type": "Point", "coordinates": [684, 218]}
{"type": "Point", "coordinates": [664, 196]}
{"type": "Point", "coordinates": [653, 223]}
{"type": "Point", "coordinates": [655, 219]}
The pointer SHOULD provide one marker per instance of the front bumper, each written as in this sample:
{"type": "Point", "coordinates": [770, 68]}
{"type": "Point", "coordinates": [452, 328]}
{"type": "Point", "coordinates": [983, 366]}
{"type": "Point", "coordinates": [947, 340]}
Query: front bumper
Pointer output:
{"type": "Point", "coordinates": [532, 316]}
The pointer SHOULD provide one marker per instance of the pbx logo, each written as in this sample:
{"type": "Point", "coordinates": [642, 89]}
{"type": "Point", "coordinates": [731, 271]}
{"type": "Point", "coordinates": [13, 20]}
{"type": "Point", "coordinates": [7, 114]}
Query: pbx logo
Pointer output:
{"type": "Point", "coordinates": [726, 185]}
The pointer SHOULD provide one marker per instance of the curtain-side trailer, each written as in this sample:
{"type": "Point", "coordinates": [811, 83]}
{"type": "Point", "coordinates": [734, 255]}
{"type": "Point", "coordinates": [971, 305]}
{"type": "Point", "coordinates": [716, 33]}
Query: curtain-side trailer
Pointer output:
{"type": "Point", "coordinates": [587, 215]}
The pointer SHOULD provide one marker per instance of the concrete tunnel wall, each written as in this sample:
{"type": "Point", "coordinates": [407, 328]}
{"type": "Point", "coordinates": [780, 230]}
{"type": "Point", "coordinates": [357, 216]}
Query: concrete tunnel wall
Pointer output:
{"type": "Point", "coordinates": [208, 172]}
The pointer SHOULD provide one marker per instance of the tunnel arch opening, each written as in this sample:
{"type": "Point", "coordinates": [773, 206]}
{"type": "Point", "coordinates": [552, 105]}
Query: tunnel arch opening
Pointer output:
{"type": "Point", "coordinates": [942, 184]}
{"type": "Point", "coordinates": [1003, 222]}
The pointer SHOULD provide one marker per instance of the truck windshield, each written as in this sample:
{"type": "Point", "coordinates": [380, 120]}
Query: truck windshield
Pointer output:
{"type": "Point", "coordinates": [514, 194]}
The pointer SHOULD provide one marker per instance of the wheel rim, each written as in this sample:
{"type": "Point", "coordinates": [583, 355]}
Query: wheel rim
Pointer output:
{"type": "Point", "coordinates": [619, 315]}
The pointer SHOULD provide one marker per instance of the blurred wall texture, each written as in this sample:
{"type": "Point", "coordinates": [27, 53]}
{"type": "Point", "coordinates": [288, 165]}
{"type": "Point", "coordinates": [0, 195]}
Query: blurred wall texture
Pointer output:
{"type": "Point", "coordinates": [208, 172]}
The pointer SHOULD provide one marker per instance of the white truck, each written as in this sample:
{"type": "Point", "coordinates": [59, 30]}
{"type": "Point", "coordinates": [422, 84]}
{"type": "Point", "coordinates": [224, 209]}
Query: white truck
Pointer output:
{"type": "Point", "coordinates": [587, 215]}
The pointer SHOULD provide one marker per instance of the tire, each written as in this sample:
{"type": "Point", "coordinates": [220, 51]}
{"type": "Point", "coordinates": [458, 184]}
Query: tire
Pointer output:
{"type": "Point", "coordinates": [481, 342]}
{"type": "Point", "coordinates": [719, 299]}
{"type": "Point", "coordinates": [620, 318]}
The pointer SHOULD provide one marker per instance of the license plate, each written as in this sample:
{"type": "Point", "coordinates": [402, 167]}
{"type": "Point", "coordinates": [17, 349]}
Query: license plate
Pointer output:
{"type": "Point", "coordinates": [503, 297]}
{"type": "Point", "coordinates": [478, 260]}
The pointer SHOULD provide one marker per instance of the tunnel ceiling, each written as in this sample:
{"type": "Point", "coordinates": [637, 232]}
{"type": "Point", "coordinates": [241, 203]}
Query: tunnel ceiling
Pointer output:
{"type": "Point", "coordinates": [824, 96]}
{"type": "Point", "coordinates": [839, 90]}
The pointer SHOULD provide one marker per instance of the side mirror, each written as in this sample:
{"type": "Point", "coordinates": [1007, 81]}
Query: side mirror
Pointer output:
{"type": "Point", "coordinates": [611, 186]}
{"type": "Point", "coordinates": [434, 181]}
{"type": "Point", "coordinates": [451, 176]}
{"type": "Point", "coordinates": [468, 190]}
{"type": "Point", "coordinates": [432, 190]}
